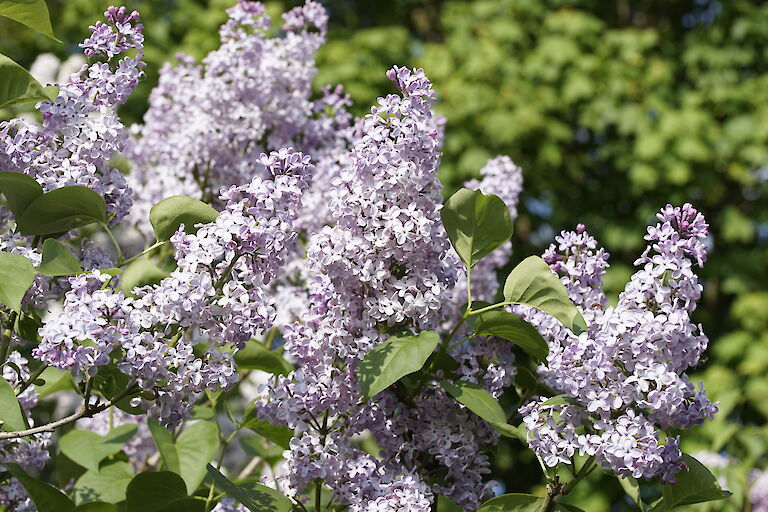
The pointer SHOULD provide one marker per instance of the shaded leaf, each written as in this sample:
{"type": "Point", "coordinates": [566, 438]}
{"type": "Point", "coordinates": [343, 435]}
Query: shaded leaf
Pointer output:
{"type": "Point", "coordinates": [10, 411]}
{"type": "Point", "coordinates": [694, 484]}
{"type": "Point", "coordinates": [61, 210]}
{"type": "Point", "coordinates": [46, 497]}
{"type": "Point", "coordinates": [58, 260]}
{"type": "Point", "coordinates": [278, 434]}
{"type": "Point", "coordinates": [508, 430]}
{"type": "Point", "coordinates": [32, 13]}
{"type": "Point", "coordinates": [253, 496]}
{"type": "Point", "coordinates": [17, 86]}
{"type": "Point", "coordinates": [88, 448]}
{"type": "Point", "coordinates": [160, 491]}
{"type": "Point", "coordinates": [254, 356]}
{"type": "Point", "coordinates": [20, 190]}
{"type": "Point", "coordinates": [141, 272]}
{"type": "Point", "coordinates": [512, 328]}
{"type": "Point", "coordinates": [108, 483]}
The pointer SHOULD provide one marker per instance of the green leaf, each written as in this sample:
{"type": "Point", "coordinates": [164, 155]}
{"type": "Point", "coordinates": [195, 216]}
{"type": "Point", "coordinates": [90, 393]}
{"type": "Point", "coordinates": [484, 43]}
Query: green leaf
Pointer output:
{"type": "Point", "coordinates": [167, 215]}
{"type": "Point", "coordinates": [46, 497]}
{"type": "Point", "coordinates": [522, 503]}
{"type": "Point", "coordinates": [632, 488]}
{"type": "Point", "coordinates": [108, 483]}
{"type": "Point", "coordinates": [58, 260]}
{"type": "Point", "coordinates": [513, 328]}
{"type": "Point", "coordinates": [55, 380]}
{"type": "Point", "coordinates": [96, 506]}
{"type": "Point", "coordinates": [561, 400]}
{"type": "Point", "coordinates": [508, 430]}
{"type": "Point", "coordinates": [160, 492]}
{"type": "Point", "coordinates": [10, 411]}
{"type": "Point", "coordinates": [512, 502]}
{"type": "Point", "coordinates": [20, 190]}
{"type": "Point", "coordinates": [694, 484]}
{"type": "Point", "coordinates": [476, 224]}
{"type": "Point", "coordinates": [476, 399]}
{"type": "Point", "coordinates": [32, 13]}
{"type": "Point", "coordinates": [253, 496]}
{"type": "Point", "coordinates": [141, 272]}
{"type": "Point", "coordinates": [533, 283]}
{"type": "Point", "coordinates": [258, 447]}
{"type": "Point", "coordinates": [17, 86]}
{"type": "Point", "coordinates": [195, 447]}
{"type": "Point", "coordinates": [88, 448]}
{"type": "Point", "coordinates": [16, 276]}
{"type": "Point", "coordinates": [62, 209]}
{"type": "Point", "coordinates": [397, 357]}
{"type": "Point", "coordinates": [278, 434]}
{"type": "Point", "coordinates": [254, 356]}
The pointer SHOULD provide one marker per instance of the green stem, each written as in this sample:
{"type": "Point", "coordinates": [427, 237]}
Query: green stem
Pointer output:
{"type": "Point", "coordinates": [318, 494]}
{"type": "Point", "coordinates": [114, 242]}
{"type": "Point", "coordinates": [5, 337]}
{"type": "Point", "coordinates": [144, 252]}
{"type": "Point", "coordinates": [32, 378]}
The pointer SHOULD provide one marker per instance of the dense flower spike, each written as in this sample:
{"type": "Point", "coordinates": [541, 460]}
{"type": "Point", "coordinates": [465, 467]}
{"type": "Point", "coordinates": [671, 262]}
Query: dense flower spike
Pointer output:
{"type": "Point", "coordinates": [208, 124]}
{"type": "Point", "coordinates": [81, 130]}
{"type": "Point", "coordinates": [215, 297]}
{"type": "Point", "coordinates": [627, 372]}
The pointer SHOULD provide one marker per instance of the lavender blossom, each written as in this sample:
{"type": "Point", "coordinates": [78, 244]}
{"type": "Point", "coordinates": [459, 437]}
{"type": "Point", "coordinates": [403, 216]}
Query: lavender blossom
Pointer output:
{"type": "Point", "coordinates": [758, 495]}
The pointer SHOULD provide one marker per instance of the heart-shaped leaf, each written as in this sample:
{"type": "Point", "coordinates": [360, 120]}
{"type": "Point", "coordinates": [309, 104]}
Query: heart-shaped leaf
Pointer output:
{"type": "Point", "coordinates": [88, 448]}
{"type": "Point", "coordinates": [512, 328]}
{"type": "Point", "coordinates": [58, 260]}
{"type": "Point", "coordinates": [108, 483]}
{"type": "Point", "coordinates": [476, 399]}
{"type": "Point", "coordinates": [476, 224]}
{"type": "Point", "coordinates": [61, 210]}
{"type": "Point", "coordinates": [20, 190]}
{"type": "Point", "coordinates": [167, 215]}
{"type": "Point", "coordinates": [393, 359]}
{"type": "Point", "coordinates": [162, 491]}
{"type": "Point", "coordinates": [533, 283]}
{"type": "Point", "coordinates": [188, 455]}
{"type": "Point", "coordinates": [16, 276]}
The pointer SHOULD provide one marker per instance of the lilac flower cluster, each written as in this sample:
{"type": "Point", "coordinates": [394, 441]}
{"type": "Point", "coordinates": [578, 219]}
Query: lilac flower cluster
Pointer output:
{"type": "Point", "coordinates": [80, 129]}
{"type": "Point", "coordinates": [381, 267]}
{"type": "Point", "coordinates": [208, 123]}
{"type": "Point", "coordinates": [215, 298]}
{"type": "Point", "coordinates": [625, 377]}
{"type": "Point", "coordinates": [31, 452]}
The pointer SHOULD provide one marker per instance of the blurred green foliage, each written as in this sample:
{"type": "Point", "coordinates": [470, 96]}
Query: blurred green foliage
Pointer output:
{"type": "Point", "coordinates": [613, 109]}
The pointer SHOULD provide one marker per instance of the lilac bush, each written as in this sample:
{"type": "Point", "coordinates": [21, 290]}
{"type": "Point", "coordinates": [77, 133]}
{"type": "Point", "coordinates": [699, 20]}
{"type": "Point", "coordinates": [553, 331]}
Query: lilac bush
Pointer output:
{"type": "Point", "coordinates": [306, 290]}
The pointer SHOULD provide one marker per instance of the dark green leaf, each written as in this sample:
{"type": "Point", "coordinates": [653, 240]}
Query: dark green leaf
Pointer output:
{"type": "Point", "coordinates": [108, 483]}
{"type": "Point", "coordinates": [16, 276]}
{"type": "Point", "coordinates": [58, 260]}
{"type": "Point", "coordinates": [255, 357]}
{"type": "Point", "coordinates": [10, 411]}
{"type": "Point", "coordinates": [32, 13]}
{"type": "Point", "coordinates": [694, 484]}
{"type": "Point", "coordinates": [476, 224]}
{"type": "Point", "coordinates": [17, 86]}
{"type": "Point", "coordinates": [20, 190]}
{"type": "Point", "coordinates": [88, 448]}
{"type": "Point", "coordinates": [55, 380]}
{"type": "Point", "coordinates": [512, 503]}
{"type": "Point", "coordinates": [397, 357]}
{"type": "Point", "coordinates": [61, 210]}
{"type": "Point", "coordinates": [258, 447]}
{"type": "Point", "coordinates": [476, 399]}
{"type": "Point", "coordinates": [533, 283]}
{"type": "Point", "coordinates": [167, 215]}
{"type": "Point", "coordinates": [96, 506]}
{"type": "Point", "coordinates": [513, 328]}
{"type": "Point", "coordinates": [141, 272]}
{"type": "Point", "coordinates": [278, 434]}
{"type": "Point", "coordinates": [632, 488]}
{"type": "Point", "coordinates": [561, 400]}
{"type": "Point", "coordinates": [46, 497]}
{"type": "Point", "coordinates": [155, 492]}
{"type": "Point", "coordinates": [253, 496]}
{"type": "Point", "coordinates": [164, 441]}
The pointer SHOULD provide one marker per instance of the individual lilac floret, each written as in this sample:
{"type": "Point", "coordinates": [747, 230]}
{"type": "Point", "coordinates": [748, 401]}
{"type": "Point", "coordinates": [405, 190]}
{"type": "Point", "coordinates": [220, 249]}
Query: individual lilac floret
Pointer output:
{"type": "Point", "coordinates": [626, 374]}
{"type": "Point", "coordinates": [81, 130]}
